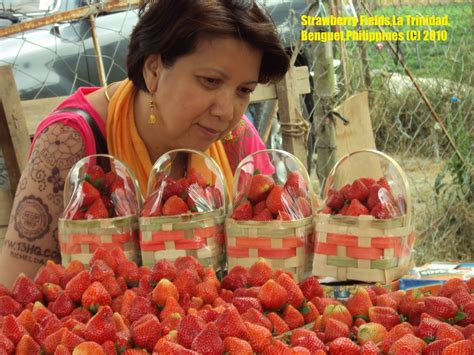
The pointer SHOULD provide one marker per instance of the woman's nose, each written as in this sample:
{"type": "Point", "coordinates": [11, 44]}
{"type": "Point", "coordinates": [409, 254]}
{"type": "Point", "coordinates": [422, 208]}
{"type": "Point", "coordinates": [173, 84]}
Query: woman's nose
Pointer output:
{"type": "Point", "coordinates": [223, 105]}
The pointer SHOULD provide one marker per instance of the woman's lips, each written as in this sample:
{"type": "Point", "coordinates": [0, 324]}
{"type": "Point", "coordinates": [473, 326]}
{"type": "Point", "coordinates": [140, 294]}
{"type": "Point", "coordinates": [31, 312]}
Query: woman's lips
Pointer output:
{"type": "Point", "coordinates": [212, 133]}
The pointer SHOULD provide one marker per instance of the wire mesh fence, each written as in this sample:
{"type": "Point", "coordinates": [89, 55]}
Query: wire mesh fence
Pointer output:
{"type": "Point", "coordinates": [440, 172]}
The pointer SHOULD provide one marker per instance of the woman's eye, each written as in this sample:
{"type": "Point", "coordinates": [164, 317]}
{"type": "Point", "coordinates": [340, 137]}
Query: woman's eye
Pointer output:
{"type": "Point", "coordinates": [210, 82]}
{"type": "Point", "coordinates": [246, 91]}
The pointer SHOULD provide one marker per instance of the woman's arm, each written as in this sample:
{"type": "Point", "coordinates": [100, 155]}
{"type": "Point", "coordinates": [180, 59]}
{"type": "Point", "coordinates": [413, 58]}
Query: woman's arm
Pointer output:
{"type": "Point", "coordinates": [32, 234]}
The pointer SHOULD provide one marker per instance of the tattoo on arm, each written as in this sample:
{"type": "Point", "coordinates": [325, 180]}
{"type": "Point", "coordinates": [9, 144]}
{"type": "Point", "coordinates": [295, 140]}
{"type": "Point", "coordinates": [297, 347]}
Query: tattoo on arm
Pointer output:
{"type": "Point", "coordinates": [32, 218]}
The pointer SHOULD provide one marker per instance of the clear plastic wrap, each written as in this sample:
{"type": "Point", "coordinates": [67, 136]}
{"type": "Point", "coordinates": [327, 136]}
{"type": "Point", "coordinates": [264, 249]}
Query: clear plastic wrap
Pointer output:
{"type": "Point", "coordinates": [364, 230]}
{"type": "Point", "coordinates": [185, 209]}
{"type": "Point", "coordinates": [271, 215]}
{"type": "Point", "coordinates": [102, 201]}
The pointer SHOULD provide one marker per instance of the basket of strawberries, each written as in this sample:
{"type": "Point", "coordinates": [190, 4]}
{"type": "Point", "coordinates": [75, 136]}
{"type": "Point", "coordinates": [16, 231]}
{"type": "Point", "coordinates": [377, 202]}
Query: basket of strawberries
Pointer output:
{"type": "Point", "coordinates": [102, 201]}
{"type": "Point", "coordinates": [364, 230]}
{"type": "Point", "coordinates": [271, 217]}
{"type": "Point", "coordinates": [185, 210]}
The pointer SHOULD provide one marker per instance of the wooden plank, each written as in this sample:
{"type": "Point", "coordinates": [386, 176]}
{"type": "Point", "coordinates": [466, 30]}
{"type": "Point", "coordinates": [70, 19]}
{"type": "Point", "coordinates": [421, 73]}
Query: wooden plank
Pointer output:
{"type": "Point", "coordinates": [14, 138]}
{"type": "Point", "coordinates": [36, 110]}
{"type": "Point", "coordinates": [294, 138]}
{"type": "Point", "coordinates": [269, 92]}
{"type": "Point", "coordinates": [357, 135]}
{"type": "Point", "coordinates": [6, 201]}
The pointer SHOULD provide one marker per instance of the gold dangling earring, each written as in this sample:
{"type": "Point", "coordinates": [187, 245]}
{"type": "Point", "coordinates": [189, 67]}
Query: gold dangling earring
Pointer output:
{"type": "Point", "coordinates": [152, 118]}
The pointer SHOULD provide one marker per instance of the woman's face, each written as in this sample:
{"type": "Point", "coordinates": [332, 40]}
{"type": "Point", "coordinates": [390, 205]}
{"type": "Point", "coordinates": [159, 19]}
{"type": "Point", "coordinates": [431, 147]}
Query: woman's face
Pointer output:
{"type": "Point", "coordinates": [203, 95]}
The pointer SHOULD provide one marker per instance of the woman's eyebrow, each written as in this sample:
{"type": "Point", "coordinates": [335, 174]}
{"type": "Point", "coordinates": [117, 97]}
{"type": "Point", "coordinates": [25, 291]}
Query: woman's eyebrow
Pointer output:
{"type": "Point", "coordinates": [225, 76]}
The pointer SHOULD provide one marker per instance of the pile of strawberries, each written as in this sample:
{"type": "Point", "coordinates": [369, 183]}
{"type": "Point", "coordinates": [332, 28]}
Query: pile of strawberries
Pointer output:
{"type": "Point", "coordinates": [116, 307]}
{"type": "Point", "coordinates": [365, 196]}
{"type": "Point", "coordinates": [101, 195]}
{"type": "Point", "coordinates": [266, 200]}
{"type": "Point", "coordinates": [188, 194]}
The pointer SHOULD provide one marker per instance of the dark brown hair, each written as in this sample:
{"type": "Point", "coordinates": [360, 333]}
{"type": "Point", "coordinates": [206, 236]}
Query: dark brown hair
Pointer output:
{"type": "Point", "coordinates": [172, 28]}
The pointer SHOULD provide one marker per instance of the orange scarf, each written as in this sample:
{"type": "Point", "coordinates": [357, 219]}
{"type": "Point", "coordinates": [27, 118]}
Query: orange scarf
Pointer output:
{"type": "Point", "coordinates": [121, 129]}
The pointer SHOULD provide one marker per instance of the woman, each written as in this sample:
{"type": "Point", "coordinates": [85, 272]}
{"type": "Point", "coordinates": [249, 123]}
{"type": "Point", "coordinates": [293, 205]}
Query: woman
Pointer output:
{"type": "Point", "coordinates": [192, 65]}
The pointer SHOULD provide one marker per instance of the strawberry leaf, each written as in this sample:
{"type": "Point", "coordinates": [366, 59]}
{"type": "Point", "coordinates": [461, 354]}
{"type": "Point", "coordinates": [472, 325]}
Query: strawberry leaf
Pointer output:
{"type": "Point", "coordinates": [459, 316]}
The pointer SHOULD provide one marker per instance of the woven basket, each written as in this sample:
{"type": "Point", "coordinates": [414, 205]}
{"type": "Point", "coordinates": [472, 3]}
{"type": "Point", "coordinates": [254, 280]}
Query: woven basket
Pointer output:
{"type": "Point", "coordinates": [79, 239]}
{"type": "Point", "coordinates": [200, 235]}
{"type": "Point", "coordinates": [364, 248]}
{"type": "Point", "coordinates": [284, 244]}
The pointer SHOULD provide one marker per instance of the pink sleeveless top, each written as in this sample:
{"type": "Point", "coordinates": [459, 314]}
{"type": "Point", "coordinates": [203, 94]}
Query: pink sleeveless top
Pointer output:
{"type": "Point", "coordinates": [245, 138]}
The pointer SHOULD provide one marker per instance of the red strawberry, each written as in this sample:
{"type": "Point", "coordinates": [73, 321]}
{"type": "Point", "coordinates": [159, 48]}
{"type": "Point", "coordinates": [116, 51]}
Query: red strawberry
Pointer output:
{"type": "Point", "coordinates": [163, 269]}
{"type": "Point", "coordinates": [255, 317]}
{"type": "Point", "coordinates": [367, 181]}
{"type": "Point", "coordinates": [94, 174]}
{"type": "Point", "coordinates": [410, 341]}
{"type": "Point", "coordinates": [194, 177]}
{"type": "Point", "coordinates": [243, 212]}
{"type": "Point", "coordinates": [170, 323]}
{"type": "Point", "coordinates": [296, 184]}
{"type": "Point", "coordinates": [164, 289]}
{"type": "Point", "coordinates": [394, 334]}
{"type": "Point", "coordinates": [265, 215]}
{"type": "Point", "coordinates": [468, 315]}
{"type": "Point", "coordinates": [97, 210]}
{"type": "Point", "coordinates": [89, 193]}
{"type": "Point", "coordinates": [295, 296]}
{"type": "Point", "coordinates": [381, 211]}
{"type": "Point", "coordinates": [272, 296]}
{"type": "Point", "coordinates": [189, 262]}
{"type": "Point", "coordinates": [386, 300]}
{"type": "Point", "coordinates": [338, 312]}
{"type": "Point", "coordinates": [343, 346]}
{"type": "Point", "coordinates": [207, 291]}
{"type": "Point", "coordinates": [208, 341]}
{"type": "Point", "coordinates": [310, 312]}
{"type": "Point", "coordinates": [451, 286]}
{"type": "Point", "coordinates": [311, 288]}
{"type": "Point", "coordinates": [259, 337]}
{"type": "Point", "coordinates": [236, 346]}
{"type": "Point", "coordinates": [279, 326]}
{"type": "Point", "coordinates": [260, 187]}
{"type": "Point", "coordinates": [462, 297]}
{"type": "Point", "coordinates": [436, 347]}
{"type": "Point", "coordinates": [335, 329]}
{"type": "Point", "coordinates": [274, 199]}
{"type": "Point", "coordinates": [463, 347]}
{"type": "Point", "coordinates": [370, 348]}
{"type": "Point", "coordinates": [27, 346]}
{"type": "Point", "coordinates": [152, 207]}
{"type": "Point", "coordinates": [101, 326]}
{"type": "Point", "coordinates": [46, 274]}
{"type": "Point", "coordinates": [356, 208]}
{"type": "Point", "coordinates": [172, 188]}
{"type": "Point", "coordinates": [146, 333]}
{"type": "Point", "coordinates": [9, 306]}
{"type": "Point", "coordinates": [374, 332]}
{"type": "Point", "coordinates": [441, 307]}
{"type": "Point", "coordinates": [105, 256]}
{"type": "Point", "coordinates": [174, 206]}
{"type": "Point", "coordinates": [259, 207]}
{"type": "Point", "coordinates": [25, 291]}
{"type": "Point", "coordinates": [259, 273]}
{"type": "Point", "coordinates": [359, 304]}
{"type": "Point", "coordinates": [94, 296]}
{"type": "Point", "coordinates": [373, 198]}
{"type": "Point", "coordinates": [141, 306]}
{"type": "Point", "coordinates": [189, 328]}
{"type": "Point", "coordinates": [283, 216]}
{"type": "Point", "coordinates": [446, 331]}
{"type": "Point", "coordinates": [358, 190]}
{"type": "Point", "coordinates": [171, 306]}
{"type": "Point", "coordinates": [278, 347]}
{"type": "Point", "coordinates": [244, 303]}
{"type": "Point", "coordinates": [322, 302]}
{"type": "Point", "coordinates": [303, 207]}
{"type": "Point", "coordinates": [62, 306]}
{"type": "Point", "coordinates": [70, 340]}
{"type": "Point", "coordinates": [306, 339]}
{"type": "Point", "coordinates": [386, 316]}
{"type": "Point", "coordinates": [428, 327]}
{"type": "Point", "coordinates": [229, 323]}
{"type": "Point", "coordinates": [109, 178]}
{"type": "Point", "coordinates": [129, 271]}
{"type": "Point", "coordinates": [292, 317]}
{"type": "Point", "coordinates": [77, 285]}
{"type": "Point", "coordinates": [88, 348]}
{"type": "Point", "coordinates": [6, 344]}
{"type": "Point", "coordinates": [335, 200]}
{"type": "Point", "coordinates": [13, 329]}
{"type": "Point", "coordinates": [237, 277]}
